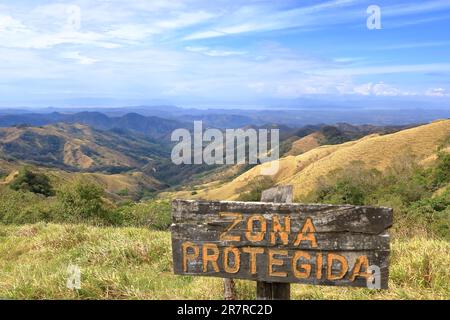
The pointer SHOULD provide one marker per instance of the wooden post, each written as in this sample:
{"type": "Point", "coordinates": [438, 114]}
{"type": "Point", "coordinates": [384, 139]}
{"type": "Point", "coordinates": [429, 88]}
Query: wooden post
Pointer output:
{"type": "Point", "coordinates": [229, 289]}
{"type": "Point", "coordinates": [273, 290]}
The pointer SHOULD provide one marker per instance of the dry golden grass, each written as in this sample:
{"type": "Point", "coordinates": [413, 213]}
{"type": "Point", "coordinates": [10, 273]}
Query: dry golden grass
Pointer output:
{"type": "Point", "coordinates": [305, 144]}
{"type": "Point", "coordinates": [111, 183]}
{"type": "Point", "coordinates": [303, 171]}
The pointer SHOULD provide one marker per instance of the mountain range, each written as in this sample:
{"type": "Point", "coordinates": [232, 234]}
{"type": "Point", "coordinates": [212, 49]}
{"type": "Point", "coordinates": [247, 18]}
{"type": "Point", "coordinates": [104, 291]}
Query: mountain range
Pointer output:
{"type": "Point", "coordinates": [151, 126]}
{"type": "Point", "coordinates": [133, 152]}
{"type": "Point", "coordinates": [170, 116]}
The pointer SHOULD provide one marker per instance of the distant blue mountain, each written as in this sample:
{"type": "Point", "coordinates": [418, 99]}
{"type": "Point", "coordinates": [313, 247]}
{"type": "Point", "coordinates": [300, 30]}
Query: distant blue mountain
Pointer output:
{"type": "Point", "coordinates": [158, 121]}
{"type": "Point", "coordinates": [151, 126]}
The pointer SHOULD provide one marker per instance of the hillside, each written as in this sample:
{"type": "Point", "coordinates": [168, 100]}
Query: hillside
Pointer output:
{"type": "Point", "coordinates": [120, 161]}
{"type": "Point", "coordinates": [311, 137]}
{"type": "Point", "coordinates": [119, 186]}
{"type": "Point", "coordinates": [78, 147]}
{"type": "Point", "coordinates": [376, 151]}
{"type": "Point", "coordinates": [305, 144]}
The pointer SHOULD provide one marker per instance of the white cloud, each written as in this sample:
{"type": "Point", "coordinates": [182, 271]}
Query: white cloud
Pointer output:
{"type": "Point", "coordinates": [412, 8]}
{"type": "Point", "coordinates": [282, 85]}
{"type": "Point", "coordinates": [348, 59]}
{"type": "Point", "coordinates": [415, 45]}
{"type": "Point", "coordinates": [35, 40]}
{"type": "Point", "coordinates": [437, 92]}
{"type": "Point", "coordinates": [388, 69]}
{"type": "Point", "coordinates": [185, 19]}
{"type": "Point", "coordinates": [79, 58]}
{"type": "Point", "coordinates": [132, 32]}
{"type": "Point", "coordinates": [265, 18]}
{"type": "Point", "coordinates": [95, 23]}
{"type": "Point", "coordinates": [214, 52]}
{"type": "Point", "coordinates": [140, 31]}
{"type": "Point", "coordinates": [9, 24]}
{"type": "Point", "coordinates": [258, 87]}
{"type": "Point", "coordinates": [364, 89]}
{"type": "Point", "coordinates": [260, 18]}
{"type": "Point", "coordinates": [380, 89]}
{"type": "Point", "coordinates": [205, 35]}
{"type": "Point", "coordinates": [15, 34]}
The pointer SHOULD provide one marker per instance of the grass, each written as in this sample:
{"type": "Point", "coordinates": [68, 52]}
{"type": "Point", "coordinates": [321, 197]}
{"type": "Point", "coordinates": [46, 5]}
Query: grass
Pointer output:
{"type": "Point", "coordinates": [135, 263]}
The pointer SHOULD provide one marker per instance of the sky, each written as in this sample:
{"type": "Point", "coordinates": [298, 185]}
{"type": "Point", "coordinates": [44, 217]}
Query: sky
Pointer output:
{"type": "Point", "coordinates": [222, 53]}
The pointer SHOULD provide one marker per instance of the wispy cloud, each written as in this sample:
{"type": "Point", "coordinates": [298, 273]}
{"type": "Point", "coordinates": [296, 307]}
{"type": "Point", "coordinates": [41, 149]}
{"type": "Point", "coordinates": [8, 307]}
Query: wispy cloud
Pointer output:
{"type": "Point", "coordinates": [414, 45]}
{"type": "Point", "coordinates": [415, 7]}
{"type": "Point", "coordinates": [81, 59]}
{"type": "Point", "coordinates": [389, 69]}
{"type": "Point", "coordinates": [330, 13]}
{"type": "Point", "coordinates": [214, 52]}
{"type": "Point", "coordinates": [380, 89]}
{"type": "Point", "coordinates": [437, 92]}
{"type": "Point", "coordinates": [258, 19]}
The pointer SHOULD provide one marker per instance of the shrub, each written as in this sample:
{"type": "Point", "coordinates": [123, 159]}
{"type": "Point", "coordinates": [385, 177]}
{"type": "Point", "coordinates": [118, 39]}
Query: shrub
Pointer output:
{"type": "Point", "coordinates": [152, 214]}
{"type": "Point", "coordinates": [83, 201]}
{"type": "Point", "coordinates": [28, 180]}
{"type": "Point", "coordinates": [18, 207]}
{"type": "Point", "coordinates": [351, 185]}
{"type": "Point", "coordinates": [255, 188]}
{"type": "Point", "coordinates": [80, 202]}
{"type": "Point", "coordinates": [441, 173]}
{"type": "Point", "coordinates": [434, 212]}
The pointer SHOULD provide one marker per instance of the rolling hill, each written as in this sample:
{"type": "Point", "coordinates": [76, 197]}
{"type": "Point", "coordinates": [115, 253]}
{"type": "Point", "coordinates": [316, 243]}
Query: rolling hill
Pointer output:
{"type": "Point", "coordinates": [304, 170]}
{"type": "Point", "coordinates": [79, 147]}
{"type": "Point", "coordinates": [311, 137]}
{"type": "Point", "coordinates": [306, 143]}
{"type": "Point", "coordinates": [121, 161]}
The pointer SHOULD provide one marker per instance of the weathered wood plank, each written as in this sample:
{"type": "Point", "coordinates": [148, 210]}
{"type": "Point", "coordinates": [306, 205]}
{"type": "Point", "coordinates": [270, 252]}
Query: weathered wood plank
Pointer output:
{"type": "Point", "coordinates": [196, 267]}
{"type": "Point", "coordinates": [327, 218]}
{"type": "Point", "coordinates": [328, 240]}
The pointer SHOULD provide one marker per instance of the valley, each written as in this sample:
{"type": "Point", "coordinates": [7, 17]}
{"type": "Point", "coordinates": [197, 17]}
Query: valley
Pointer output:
{"type": "Point", "coordinates": [129, 153]}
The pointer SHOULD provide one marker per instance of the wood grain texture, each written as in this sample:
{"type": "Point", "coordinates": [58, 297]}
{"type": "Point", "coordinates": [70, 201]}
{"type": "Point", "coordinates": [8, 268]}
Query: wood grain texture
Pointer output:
{"type": "Point", "coordinates": [343, 230]}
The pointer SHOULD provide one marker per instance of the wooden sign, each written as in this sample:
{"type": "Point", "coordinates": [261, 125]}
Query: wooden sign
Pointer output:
{"type": "Point", "coordinates": [337, 245]}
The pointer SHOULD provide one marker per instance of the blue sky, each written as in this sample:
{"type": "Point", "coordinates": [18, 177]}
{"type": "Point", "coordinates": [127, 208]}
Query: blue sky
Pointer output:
{"type": "Point", "coordinates": [222, 53]}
